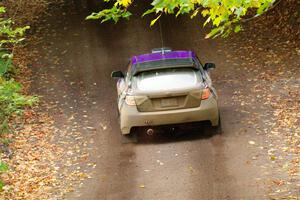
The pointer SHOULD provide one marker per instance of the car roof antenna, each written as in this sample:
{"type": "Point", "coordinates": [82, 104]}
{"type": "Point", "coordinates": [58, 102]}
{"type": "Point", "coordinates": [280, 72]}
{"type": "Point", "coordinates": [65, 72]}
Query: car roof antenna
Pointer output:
{"type": "Point", "coordinates": [161, 38]}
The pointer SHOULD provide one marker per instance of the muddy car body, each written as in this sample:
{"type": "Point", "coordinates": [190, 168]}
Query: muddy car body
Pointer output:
{"type": "Point", "coordinates": [165, 87]}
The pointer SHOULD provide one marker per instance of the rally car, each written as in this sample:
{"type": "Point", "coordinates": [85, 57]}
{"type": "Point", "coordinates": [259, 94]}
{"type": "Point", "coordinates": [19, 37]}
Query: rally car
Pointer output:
{"type": "Point", "coordinates": [166, 87]}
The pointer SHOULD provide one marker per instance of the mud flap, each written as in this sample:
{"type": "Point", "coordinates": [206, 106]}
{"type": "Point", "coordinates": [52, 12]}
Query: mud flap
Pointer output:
{"type": "Point", "coordinates": [218, 129]}
{"type": "Point", "coordinates": [129, 138]}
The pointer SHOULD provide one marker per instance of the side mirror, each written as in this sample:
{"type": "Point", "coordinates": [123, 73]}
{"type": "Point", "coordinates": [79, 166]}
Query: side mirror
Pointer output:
{"type": "Point", "coordinates": [209, 66]}
{"type": "Point", "coordinates": [117, 74]}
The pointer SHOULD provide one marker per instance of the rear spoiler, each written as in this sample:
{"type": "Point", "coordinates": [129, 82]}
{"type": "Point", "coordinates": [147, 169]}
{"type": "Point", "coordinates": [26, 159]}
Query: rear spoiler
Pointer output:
{"type": "Point", "coordinates": [163, 64]}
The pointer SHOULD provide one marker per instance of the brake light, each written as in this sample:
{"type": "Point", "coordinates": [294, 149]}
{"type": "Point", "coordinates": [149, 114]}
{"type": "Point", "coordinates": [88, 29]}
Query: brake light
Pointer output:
{"type": "Point", "coordinates": [205, 94]}
{"type": "Point", "coordinates": [130, 100]}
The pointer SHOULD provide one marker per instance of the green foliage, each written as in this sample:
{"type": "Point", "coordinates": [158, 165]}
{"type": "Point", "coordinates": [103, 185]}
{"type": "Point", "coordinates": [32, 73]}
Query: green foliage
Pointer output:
{"type": "Point", "coordinates": [223, 15]}
{"type": "Point", "coordinates": [3, 168]}
{"type": "Point", "coordinates": [113, 14]}
{"type": "Point", "coordinates": [5, 63]}
{"type": "Point", "coordinates": [1, 185]}
{"type": "Point", "coordinates": [12, 102]}
{"type": "Point", "coordinates": [10, 35]}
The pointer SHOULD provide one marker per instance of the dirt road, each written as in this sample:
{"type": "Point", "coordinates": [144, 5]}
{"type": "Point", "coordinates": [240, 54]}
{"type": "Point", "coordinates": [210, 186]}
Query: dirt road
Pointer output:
{"type": "Point", "coordinates": [77, 58]}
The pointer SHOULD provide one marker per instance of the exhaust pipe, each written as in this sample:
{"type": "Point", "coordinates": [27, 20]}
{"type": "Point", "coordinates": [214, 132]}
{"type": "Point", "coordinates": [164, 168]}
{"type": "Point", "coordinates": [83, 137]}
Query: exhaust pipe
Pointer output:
{"type": "Point", "coordinates": [150, 132]}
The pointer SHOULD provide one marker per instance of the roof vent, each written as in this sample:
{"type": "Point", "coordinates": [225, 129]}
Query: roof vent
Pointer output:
{"type": "Point", "coordinates": [161, 50]}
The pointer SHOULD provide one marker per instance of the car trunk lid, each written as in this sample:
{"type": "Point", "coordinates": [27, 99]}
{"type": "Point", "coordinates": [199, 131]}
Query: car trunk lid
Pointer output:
{"type": "Point", "coordinates": [151, 103]}
{"type": "Point", "coordinates": [168, 90]}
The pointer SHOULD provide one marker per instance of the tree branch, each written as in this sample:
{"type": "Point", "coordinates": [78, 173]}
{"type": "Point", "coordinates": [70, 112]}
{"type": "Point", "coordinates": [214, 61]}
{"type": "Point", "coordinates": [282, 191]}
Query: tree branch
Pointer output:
{"type": "Point", "coordinates": [257, 15]}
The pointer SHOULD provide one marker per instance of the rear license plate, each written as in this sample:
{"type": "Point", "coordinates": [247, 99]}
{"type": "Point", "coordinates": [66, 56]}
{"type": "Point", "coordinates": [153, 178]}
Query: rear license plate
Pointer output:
{"type": "Point", "coordinates": [169, 102]}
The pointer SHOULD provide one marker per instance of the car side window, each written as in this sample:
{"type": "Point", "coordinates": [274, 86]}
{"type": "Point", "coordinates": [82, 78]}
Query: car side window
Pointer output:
{"type": "Point", "coordinates": [205, 74]}
{"type": "Point", "coordinates": [199, 64]}
{"type": "Point", "coordinates": [200, 68]}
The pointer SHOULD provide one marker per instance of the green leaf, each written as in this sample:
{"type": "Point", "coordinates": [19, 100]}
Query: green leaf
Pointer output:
{"type": "Point", "coordinates": [1, 185]}
{"type": "Point", "coordinates": [5, 62]}
{"type": "Point", "coordinates": [2, 9]}
{"type": "Point", "coordinates": [148, 12]}
{"type": "Point", "coordinates": [213, 32]}
{"type": "Point", "coordinates": [205, 13]}
{"type": "Point", "coordinates": [3, 167]}
{"type": "Point", "coordinates": [237, 28]}
{"type": "Point", "coordinates": [154, 20]}
{"type": "Point", "coordinates": [206, 21]}
{"type": "Point", "coordinates": [195, 13]}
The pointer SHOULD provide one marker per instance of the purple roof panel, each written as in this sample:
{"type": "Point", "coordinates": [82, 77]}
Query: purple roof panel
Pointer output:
{"type": "Point", "coordinates": [159, 56]}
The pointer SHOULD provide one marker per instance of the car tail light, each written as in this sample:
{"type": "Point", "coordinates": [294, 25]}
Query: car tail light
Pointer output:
{"type": "Point", "coordinates": [130, 100]}
{"type": "Point", "coordinates": [205, 94]}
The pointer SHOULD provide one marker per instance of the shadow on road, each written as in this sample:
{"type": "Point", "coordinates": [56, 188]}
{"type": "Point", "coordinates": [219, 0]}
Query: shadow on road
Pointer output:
{"type": "Point", "coordinates": [179, 133]}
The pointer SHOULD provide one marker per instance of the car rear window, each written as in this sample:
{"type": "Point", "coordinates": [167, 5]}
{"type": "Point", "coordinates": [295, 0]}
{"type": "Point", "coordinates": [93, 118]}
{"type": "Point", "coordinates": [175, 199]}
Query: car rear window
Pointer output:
{"type": "Point", "coordinates": [167, 79]}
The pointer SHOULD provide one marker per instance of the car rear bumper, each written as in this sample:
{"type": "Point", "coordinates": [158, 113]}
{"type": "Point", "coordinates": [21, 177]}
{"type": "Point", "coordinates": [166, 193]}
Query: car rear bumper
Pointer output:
{"type": "Point", "coordinates": [130, 117]}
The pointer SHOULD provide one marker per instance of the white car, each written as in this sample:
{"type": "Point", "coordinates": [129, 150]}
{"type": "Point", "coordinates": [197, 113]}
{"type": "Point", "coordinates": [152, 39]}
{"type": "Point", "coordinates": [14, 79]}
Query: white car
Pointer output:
{"type": "Point", "coordinates": [166, 87]}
